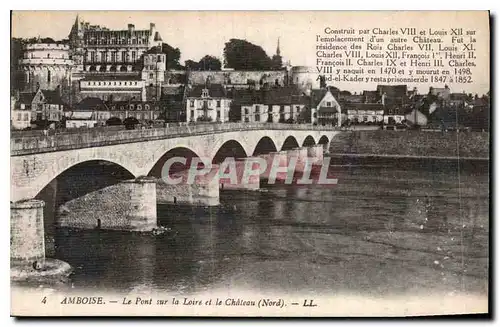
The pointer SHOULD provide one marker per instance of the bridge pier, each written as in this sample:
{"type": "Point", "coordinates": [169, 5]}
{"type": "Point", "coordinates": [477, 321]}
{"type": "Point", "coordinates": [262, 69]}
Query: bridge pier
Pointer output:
{"type": "Point", "coordinates": [243, 182]}
{"type": "Point", "coordinates": [27, 236]}
{"type": "Point", "coordinates": [142, 207]}
{"type": "Point", "coordinates": [301, 156]}
{"type": "Point", "coordinates": [27, 244]}
{"type": "Point", "coordinates": [204, 191]}
{"type": "Point", "coordinates": [129, 205]}
{"type": "Point", "coordinates": [315, 152]}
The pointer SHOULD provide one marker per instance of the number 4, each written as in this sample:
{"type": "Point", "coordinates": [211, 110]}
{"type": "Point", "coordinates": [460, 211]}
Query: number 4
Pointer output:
{"type": "Point", "coordinates": [44, 300]}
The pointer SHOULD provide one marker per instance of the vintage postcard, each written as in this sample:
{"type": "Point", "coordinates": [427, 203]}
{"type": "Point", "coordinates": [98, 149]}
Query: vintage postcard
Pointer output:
{"type": "Point", "coordinates": [250, 163]}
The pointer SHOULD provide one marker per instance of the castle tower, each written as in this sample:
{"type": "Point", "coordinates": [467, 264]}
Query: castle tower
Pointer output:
{"type": "Point", "coordinates": [153, 72]}
{"type": "Point", "coordinates": [76, 43]}
{"type": "Point", "coordinates": [46, 66]}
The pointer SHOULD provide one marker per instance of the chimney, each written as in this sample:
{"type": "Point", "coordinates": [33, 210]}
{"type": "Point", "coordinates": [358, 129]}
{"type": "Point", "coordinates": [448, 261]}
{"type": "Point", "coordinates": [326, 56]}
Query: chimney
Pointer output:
{"type": "Point", "coordinates": [152, 27]}
{"type": "Point", "coordinates": [131, 28]}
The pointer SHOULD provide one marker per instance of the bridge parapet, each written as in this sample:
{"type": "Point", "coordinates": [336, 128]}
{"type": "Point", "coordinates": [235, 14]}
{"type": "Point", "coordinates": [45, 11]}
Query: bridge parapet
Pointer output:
{"type": "Point", "coordinates": [31, 144]}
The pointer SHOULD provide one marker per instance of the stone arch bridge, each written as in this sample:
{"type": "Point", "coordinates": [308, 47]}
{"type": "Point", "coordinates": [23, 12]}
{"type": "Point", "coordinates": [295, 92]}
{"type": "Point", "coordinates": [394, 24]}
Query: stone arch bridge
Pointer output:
{"type": "Point", "coordinates": [37, 159]}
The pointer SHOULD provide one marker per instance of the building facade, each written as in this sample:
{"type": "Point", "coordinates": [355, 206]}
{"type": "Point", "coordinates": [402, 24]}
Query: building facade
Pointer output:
{"type": "Point", "coordinates": [207, 103]}
{"type": "Point", "coordinates": [96, 48]}
{"type": "Point", "coordinates": [325, 110]}
{"type": "Point", "coordinates": [43, 105]}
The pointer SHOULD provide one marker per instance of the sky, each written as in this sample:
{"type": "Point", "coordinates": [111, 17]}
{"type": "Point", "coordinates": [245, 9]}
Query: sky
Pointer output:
{"type": "Point", "coordinates": [198, 33]}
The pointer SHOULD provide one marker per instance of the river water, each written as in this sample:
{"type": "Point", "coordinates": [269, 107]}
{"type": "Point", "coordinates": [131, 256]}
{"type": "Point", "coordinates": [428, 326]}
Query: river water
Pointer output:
{"type": "Point", "coordinates": [415, 227]}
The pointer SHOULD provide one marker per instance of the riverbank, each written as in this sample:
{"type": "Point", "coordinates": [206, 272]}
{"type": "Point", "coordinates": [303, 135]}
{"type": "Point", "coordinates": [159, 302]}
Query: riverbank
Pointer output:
{"type": "Point", "coordinates": [412, 144]}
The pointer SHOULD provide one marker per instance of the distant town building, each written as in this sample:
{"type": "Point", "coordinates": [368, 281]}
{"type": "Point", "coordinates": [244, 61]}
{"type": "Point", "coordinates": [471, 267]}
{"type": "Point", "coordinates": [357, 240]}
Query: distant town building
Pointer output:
{"type": "Point", "coordinates": [20, 115]}
{"type": "Point", "coordinates": [273, 105]}
{"type": "Point", "coordinates": [43, 104]}
{"type": "Point", "coordinates": [92, 112]}
{"type": "Point", "coordinates": [208, 102]}
{"type": "Point", "coordinates": [325, 109]}
{"type": "Point", "coordinates": [365, 113]}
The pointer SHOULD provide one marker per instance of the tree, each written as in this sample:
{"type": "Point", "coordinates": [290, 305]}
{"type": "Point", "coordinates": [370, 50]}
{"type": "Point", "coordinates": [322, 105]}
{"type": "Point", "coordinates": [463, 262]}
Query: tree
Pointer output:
{"type": "Point", "coordinates": [191, 65]}
{"type": "Point", "coordinates": [113, 121]}
{"type": "Point", "coordinates": [130, 122]}
{"type": "Point", "coordinates": [277, 62]}
{"type": "Point", "coordinates": [206, 63]}
{"type": "Point", "coordinates": [322, 81]}
{"type": "Point", "coordinates": [16, 52]}
{"type": "Point", "coordinates": [243, 55]}
{"type": "Point", "coordinates": [209, 63]}
{"type": "Point", "coordinates": [173, 56]}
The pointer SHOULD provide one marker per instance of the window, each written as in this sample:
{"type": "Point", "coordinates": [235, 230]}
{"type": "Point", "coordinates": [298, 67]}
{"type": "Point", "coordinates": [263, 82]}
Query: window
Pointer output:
{"type": "Point", "coordinates": [297, 108]}
{"type": "Point", "coordinates": [218, 114]}
{"type": "Point", "coordinates": [19, 116]}
{"type": "Point", "coordinates": [92, 56]}
{"type": "Point", "coordinates": [257, 108]}
{"type": "Point", "coordinates": [124, 56]}
{"type": "Point", "coordinates": [246, 111]}
{"type": "Point", "coordinates": [282, 108]}
{"type": "Point", "coordinates": [133, 56]}
{"type": "Point", "coordinates": [23, 106]}
{"type": "Point", "coordinates": [204, 93]}
{"type": "Point", "coordinates": [151, 75]}
{"type": "Point", "coordinates": [246, 120]}
{"type": "Point", "coordinates": [365, 118]}
{"type": "Point", "coordinates": [48, 76]}
{"type": "Point", "coordinates": [131, 107]}
{"type": "Point", "coordinates": [113, 107]}
{"type": "Point", "coordinates": [218, 103]}
{"type": "Point", "coordinates": [146, 107]}
{"type": "Point", "coordinates": [159, 58]}
{"type": "Point", "coordinates": [139, 107]}
{"type": "Point", "coordinates": [257, 117]}
{"type": "Point", "coordinates": [113, 56]}
{"type": "Point", "coordinates": [328, 104]}
{"type": "Point", "coordinates": [192, 113]}
{"type": "Point", "coordinates": [191, 103]}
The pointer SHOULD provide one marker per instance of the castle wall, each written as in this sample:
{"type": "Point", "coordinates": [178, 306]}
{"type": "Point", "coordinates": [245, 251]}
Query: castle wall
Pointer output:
{"type": "Point", "coordinates": [237, 77]}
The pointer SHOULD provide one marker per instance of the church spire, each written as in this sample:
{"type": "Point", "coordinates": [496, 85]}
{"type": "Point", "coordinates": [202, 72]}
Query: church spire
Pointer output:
{"type": "Point", "coordinates": [278, 52]}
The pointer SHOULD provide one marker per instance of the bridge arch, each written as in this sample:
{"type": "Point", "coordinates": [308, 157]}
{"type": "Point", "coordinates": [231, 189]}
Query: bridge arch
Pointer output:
{"type": "Point", "coordinates": [76, 181]}
{"type": "Point", "coordinates": [180, 151]}
{"type": "Point", "coordinates": [33, 174]}
{"type": "Point", "coordinates": [87, 176]}
{"type": "Point", "coordinates": [265, 145]}
{"type": "Point", "coordinates": [230, 148]}
{"type": "Point", "coordinates": [289, 143]}
{"type": "Point", "coordinates": [323, 140]}
{"type": "Point", "coordinates": [308, 141]}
